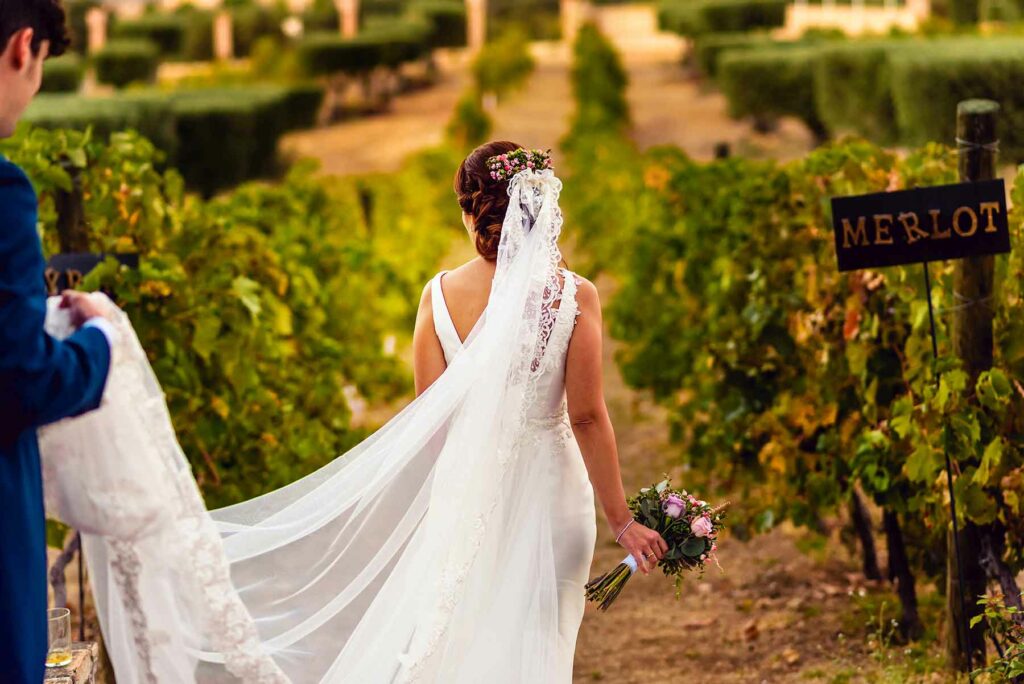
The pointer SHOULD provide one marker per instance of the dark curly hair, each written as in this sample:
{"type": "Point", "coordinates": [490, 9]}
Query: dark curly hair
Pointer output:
{"type": "Point", "coordinates": [44, 17]}
{"type": "Point", "coordinates": [482, 197]}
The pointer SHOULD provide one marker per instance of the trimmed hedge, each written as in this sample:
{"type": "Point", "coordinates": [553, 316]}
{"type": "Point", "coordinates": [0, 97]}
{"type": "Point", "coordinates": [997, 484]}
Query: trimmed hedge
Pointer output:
{"type": "Point", "coordinates": [929, 81]}
{"type": "Point", "coordinates": [302, 104]}
{"type": "Point", "coordinates": [446, 19]}
{"type": "Point", "coordinates": [384, 43]}
{"type": "Point", "coordinates": [125, 61]}
{"type": "Point", "coordinates": [404, 40]}
{"type": "Point", "coordinates": [540, 19]}
{"type": "Point", "coordinates": [216, 137]}
{"type": "Point", "coordinates": [696, 17]}
{"type": "Point", "coordinates": [249, 23]}
{"type": "Point", "coordinates": [853, 91]}
{"type": "Point", "coordinates": [329, 53]}
{"type": "Point", "coordinates": [709, 47]}
{"type": "Point", "coordinates": [62, 74]}
{"type": "Point", "coordinates": [166, 31]}
{"type": "Point", "coordinates": [197, 41]}
{"type": "Point", "coordinates": [148, 112]}
{"type": "Point", "coordinates": [771, 82]}
{"type": "Point", "coordinates": [893, 91]}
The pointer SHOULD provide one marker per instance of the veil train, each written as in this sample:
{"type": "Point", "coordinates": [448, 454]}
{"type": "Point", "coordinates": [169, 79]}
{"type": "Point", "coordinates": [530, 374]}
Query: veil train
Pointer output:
{"type": "Point", "coordinates": [418, 556]}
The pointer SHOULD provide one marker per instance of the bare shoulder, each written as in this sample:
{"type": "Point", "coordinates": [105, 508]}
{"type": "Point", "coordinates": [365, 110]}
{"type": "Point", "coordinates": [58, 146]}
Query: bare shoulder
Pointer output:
{"type": "Point", "coordinates": [587, 296]}
{"type": "Point", "coordinates": [426, 297]}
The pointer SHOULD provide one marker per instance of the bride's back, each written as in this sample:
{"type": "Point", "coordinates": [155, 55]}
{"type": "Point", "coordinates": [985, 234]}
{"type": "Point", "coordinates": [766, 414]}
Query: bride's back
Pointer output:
{"type": "Point", "coordinates": [459, 298]}
{"type": "Point", "coordinates": [466, 290]}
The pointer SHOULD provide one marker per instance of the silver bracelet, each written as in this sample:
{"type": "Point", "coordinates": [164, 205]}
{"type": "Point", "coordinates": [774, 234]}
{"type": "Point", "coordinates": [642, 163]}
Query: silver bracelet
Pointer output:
{"type": "Point", "coordinates": [623, 531]}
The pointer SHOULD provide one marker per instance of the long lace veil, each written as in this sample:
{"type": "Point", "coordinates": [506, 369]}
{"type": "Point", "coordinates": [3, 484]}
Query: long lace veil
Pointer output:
{"type": "Point", "coordinates": [416, 556]}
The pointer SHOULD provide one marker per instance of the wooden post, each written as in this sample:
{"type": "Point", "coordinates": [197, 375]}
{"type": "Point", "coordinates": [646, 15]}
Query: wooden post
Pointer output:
{"type": "Point", "coordinates": [476, 24]}
{"type": "Point", "coordinates": [349, 11]}
{"type": "Point", "coordinates": [223, 38]}
{"type": "Point", "coordinates": [71, 232]}
{"type": "Point", "coordinates": [96, 28]}
{"type": "Point", "coordinates": [973, 279]}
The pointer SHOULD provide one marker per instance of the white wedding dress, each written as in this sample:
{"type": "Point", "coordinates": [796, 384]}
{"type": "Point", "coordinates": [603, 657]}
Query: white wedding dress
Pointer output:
{"type": "Point", "coordinates": [567, 496]}
{"type": "Point", "coordinates": [451, 547]}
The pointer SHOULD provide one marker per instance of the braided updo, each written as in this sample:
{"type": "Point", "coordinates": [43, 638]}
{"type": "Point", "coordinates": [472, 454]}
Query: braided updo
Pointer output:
{"type": "Point", "coordinates": [482, 197]}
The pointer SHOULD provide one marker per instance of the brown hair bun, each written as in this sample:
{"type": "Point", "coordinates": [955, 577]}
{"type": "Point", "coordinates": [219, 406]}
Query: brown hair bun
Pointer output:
{"type": "Point", "coordinates": [482, 197]}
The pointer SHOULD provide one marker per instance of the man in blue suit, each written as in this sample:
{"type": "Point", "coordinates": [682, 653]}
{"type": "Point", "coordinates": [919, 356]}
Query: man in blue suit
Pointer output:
{"type": "Point", "coordinates": [41, 379]}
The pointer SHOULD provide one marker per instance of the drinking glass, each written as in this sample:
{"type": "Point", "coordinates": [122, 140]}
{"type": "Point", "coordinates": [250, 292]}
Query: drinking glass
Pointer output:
{"type": "Point", "coordinates": [59, 623]}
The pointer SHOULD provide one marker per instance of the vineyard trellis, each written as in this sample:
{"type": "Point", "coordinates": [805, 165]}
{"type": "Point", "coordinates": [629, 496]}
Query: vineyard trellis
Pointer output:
{"type": "Point", "coordinates": [790, 385]}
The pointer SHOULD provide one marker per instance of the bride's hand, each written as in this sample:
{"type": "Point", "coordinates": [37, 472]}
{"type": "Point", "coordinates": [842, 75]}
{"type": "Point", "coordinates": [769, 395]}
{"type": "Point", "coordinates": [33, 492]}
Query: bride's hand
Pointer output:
{"type": "Point", "coordinates": [645, 545]}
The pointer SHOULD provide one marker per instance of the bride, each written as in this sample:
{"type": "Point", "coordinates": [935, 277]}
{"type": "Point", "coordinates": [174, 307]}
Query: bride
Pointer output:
{"type": "Point", "coordinates": [451, 546]}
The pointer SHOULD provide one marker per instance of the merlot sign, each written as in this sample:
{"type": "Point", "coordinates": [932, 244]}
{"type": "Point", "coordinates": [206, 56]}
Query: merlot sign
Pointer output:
{"type": "Point", "coordinates": [921, 225]}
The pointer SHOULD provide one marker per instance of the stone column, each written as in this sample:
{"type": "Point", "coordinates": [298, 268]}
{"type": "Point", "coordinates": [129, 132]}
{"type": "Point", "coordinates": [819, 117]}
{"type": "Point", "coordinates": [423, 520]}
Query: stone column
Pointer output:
{"type": "Point", "coordinates": [349, 11]}
{"type": "Point", "coordinates": [568, 9]}
{"type": "Point", "coordinates": [574, 13]}
{"type": "Point", "coordinates": [223, 38]}
{"type": "Point", "coordinates": [921, 9]}
{"type": "Point", "coordinates": [96, 28]}
{"type": "Point", "coordinates": [476, 24]}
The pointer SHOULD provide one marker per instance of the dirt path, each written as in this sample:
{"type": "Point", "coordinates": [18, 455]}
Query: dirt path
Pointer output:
{"type": "Point", "coordinates": [776, 614]}
{"type": "Point", "coordinates": [381, 143]}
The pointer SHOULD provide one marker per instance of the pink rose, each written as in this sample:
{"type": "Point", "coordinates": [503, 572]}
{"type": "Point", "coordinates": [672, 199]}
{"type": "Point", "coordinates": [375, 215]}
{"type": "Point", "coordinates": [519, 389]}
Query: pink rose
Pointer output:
{"type": "Point", "coordinates": [701, 527]}
{"type": "Point", "coordinates": [673, 506]}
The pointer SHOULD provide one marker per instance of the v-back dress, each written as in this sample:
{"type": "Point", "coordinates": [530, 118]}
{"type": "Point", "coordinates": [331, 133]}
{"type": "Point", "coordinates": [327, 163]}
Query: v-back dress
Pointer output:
{"type": "Point", "coordinates": [573, 526]}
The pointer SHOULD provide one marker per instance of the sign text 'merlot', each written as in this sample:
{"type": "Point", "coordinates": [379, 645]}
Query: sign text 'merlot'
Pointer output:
{"type": "Point", "coordinates": [924, 224]}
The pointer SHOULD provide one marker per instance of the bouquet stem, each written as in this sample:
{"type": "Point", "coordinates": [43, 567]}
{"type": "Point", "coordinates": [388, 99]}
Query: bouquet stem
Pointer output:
{"type": "Point", "coordinates": [607, 587]}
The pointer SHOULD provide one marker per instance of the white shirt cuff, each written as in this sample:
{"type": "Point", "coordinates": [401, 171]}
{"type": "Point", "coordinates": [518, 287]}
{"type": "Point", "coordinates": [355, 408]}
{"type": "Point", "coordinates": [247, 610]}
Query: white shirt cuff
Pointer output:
{"type": "Point", "coordinates": [105, 327]}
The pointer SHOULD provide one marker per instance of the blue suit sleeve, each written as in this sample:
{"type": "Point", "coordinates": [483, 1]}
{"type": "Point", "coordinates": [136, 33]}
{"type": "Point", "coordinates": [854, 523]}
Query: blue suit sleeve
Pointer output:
{"type": "Point", "coordinates": [42, 379]}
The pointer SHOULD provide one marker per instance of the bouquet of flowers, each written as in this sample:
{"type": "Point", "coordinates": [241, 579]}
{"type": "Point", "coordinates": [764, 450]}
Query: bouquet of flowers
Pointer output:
{"type": "Point", "coordinates": [688, 525]}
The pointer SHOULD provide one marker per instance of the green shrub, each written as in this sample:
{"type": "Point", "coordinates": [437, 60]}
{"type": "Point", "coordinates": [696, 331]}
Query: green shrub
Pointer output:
{"type": "Point", "coordinates": [695, 17]}
{"type": "Point", "coordinates": [125, 61]}
{"type": "Point", "coordinates": [965, 11]}
{"type": "Point", "coordinates": [216, 137]}
{"type": "Point", "coordinates": [197, 41]}
{"type": "Point", "coordinates": [302, 102]}
{"type": "Point", "coordinates": [470, 125]}
{"type": "Point", "coordinates": [539, 19]}
{"type": "Point", "coordinates": [770, 82]}
{"type": "Point", "coordinates": [75, 11]}
{"type": "Point", "coordinates": [148, 113]}
{"type": "Point", "coordinates": [249, 23]}
{"type": "Point", "coordinates": [447, 21]}
{"type": "Point", "coordinates": [402, 40]}
{"type": "Point", "coordinates": [853, 92]}
{"type": "Point", "coordinates": [707, 48]}
{"type": "Point", "coordinates": [166, 31]}
{"type": "Point", "coordinates": [62, 74]}
{"type": "Point", "coordinates": [375, 9]}
{"type": "Point", "coordinates": [321, 16]}
{"type": "Point", "coordinates": [227, 135]}
{"type": "Point", "coordinates": [681, 18]}
{"type": "Point", "coordinates": [599, 83]}
{"type": "Point", "coordinates": [929, 81]}
{"type": "Point", "coordinates": [743, 15]}
{"type": "Point", "coordinates": [503, 65]}
{"type": "Point", "coordinates": [329, 53]}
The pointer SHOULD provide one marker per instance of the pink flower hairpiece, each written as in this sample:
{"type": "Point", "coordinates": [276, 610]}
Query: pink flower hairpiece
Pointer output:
{"type": "Point", "coordinates": [504, 166]}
